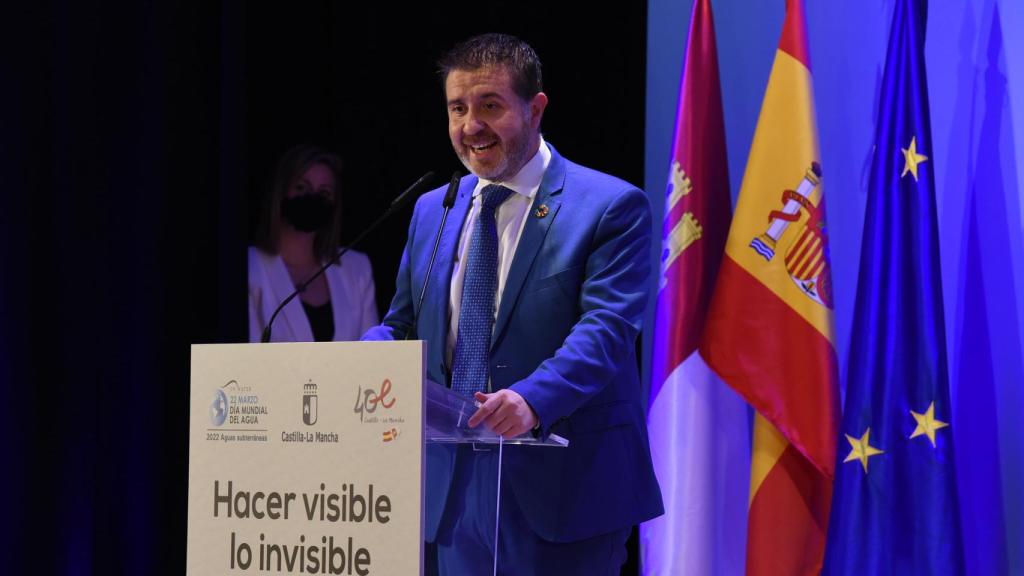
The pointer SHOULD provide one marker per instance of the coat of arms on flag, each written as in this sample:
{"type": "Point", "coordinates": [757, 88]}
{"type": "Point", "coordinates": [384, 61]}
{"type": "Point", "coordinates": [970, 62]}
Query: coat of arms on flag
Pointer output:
{"type": "Point", "coordinates": [806, 257]}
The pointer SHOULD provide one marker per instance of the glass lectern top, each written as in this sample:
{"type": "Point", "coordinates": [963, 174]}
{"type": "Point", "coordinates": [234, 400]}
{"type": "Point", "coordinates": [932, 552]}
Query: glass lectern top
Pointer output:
{"type": "Point", "coordinates": [447, 416]}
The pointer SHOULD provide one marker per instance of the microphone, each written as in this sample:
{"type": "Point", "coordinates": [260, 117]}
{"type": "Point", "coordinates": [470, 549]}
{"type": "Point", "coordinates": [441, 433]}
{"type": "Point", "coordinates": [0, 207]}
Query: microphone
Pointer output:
{"type": "Point", "coordinates": [399, 202]}
{"type": "Point", "coordinates": [447, 203]}
{"type": "Point", "coordinates": [449, 195]}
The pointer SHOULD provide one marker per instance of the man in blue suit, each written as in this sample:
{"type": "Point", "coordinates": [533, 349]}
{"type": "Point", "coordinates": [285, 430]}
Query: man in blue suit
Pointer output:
{"type": "Point", "coordinates": [534, 306]}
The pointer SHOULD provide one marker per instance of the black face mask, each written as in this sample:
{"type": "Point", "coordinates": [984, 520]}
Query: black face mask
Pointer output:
{"type": "Point", "coordinates": [308, 212]}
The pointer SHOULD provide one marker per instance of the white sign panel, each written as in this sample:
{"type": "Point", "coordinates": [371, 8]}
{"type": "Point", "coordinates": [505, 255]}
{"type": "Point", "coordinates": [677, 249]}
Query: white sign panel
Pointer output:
{"type": "Point", "coordinates": [306, 458]}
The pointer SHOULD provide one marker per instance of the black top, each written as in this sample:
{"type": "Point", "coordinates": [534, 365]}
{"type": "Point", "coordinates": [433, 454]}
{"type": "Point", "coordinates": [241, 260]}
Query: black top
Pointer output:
{"type": "Point", "coordinates": [321, 320]}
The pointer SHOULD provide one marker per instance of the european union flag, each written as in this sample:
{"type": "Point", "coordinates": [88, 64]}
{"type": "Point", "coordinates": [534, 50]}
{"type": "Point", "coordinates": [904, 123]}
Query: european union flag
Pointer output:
{"type": "Point", "coordinates": [894, 508]}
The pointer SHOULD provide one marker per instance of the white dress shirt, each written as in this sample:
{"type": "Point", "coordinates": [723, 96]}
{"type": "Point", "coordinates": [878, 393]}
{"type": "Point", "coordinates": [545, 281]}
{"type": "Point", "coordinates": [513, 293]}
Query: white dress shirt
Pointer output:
{"type": "Point", "coordinates": [510, 218]}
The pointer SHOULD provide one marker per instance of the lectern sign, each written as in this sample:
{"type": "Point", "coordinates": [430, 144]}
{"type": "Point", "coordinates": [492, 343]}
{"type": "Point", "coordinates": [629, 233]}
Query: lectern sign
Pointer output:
{"type": "Point", "coordinates": [306, 459]}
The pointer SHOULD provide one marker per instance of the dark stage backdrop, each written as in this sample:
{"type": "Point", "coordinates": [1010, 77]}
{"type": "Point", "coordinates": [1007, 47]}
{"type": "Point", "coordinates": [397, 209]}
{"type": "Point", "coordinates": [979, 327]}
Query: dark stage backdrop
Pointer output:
{"type": "Point", "coordinates": [136, 140]}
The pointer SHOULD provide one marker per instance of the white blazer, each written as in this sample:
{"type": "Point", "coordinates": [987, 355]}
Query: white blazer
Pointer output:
{"type": "Point", "coordinates": [353, 298]}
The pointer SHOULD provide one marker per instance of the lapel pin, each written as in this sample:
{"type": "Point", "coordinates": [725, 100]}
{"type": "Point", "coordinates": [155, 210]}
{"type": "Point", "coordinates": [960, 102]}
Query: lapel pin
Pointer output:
{"type": "Point", "coordinates": [541, 211]}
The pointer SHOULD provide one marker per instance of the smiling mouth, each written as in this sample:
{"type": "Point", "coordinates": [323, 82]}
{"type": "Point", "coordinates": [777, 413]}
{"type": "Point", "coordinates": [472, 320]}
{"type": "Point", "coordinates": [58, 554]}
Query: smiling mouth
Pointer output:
{"type": "Point", "coordinates": [483, 148]}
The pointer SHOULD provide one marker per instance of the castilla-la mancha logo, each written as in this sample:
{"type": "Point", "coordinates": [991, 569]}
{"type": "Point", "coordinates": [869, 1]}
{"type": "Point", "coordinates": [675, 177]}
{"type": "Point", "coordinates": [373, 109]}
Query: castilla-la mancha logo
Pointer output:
{"type": "Point", "coordinates": [367, 403]}
{"type": "Point", "coordinates": [368, 400]}
{"type": "Point", "coordinates": [309, 403]}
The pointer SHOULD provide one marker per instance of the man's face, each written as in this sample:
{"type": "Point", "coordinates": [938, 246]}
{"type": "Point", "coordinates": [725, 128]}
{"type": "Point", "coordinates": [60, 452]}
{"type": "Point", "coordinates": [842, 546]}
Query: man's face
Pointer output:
{"type": "Point", "coordinates": [493, 131]}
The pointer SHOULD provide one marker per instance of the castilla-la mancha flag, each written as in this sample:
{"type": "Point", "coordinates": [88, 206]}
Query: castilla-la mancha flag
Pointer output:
{"type": "Point", "coordinates": [769, 330]}
{"type": "Point", "coordinates": [698, 426]}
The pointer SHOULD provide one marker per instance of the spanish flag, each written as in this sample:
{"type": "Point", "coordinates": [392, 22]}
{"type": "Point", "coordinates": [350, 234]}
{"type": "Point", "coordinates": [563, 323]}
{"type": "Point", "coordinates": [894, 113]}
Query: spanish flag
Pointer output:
{"type": "Point", "coordinates": [769, 329]}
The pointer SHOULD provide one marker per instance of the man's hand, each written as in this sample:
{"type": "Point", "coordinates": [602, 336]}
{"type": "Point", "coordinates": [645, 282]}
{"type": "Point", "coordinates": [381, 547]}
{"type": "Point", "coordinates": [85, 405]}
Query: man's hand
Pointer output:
{"type": "Point", "coordinates": [505, 412]}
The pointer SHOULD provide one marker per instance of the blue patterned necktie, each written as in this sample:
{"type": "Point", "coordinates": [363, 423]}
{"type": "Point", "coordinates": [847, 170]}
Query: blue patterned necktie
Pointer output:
{"type": "Point", "coordinates": [476, 315]}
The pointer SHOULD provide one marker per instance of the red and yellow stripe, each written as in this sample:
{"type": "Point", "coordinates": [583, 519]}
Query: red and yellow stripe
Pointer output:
{"type": "Point", "coordinates": [768, 338]}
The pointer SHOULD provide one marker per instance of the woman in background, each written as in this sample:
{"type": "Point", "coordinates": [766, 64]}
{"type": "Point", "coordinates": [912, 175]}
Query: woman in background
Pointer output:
{"type": "Point", "coordinates": [299, 229]}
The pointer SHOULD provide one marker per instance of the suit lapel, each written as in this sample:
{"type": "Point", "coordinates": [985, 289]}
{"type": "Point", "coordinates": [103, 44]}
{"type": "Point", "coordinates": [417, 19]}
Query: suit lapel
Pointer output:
{"type": "Point", "coordinates": [293, 315]}
{"type": "Point", "coordinates": [534, 231]}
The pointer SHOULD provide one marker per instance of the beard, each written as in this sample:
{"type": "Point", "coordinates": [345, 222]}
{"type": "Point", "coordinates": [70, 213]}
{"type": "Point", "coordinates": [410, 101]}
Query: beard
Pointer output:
{"type": "Point", "coordinates": [513, 153]}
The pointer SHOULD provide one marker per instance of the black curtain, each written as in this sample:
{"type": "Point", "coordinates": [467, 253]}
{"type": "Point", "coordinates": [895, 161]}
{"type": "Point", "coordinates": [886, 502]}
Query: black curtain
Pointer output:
{"type": "Point", "coordinates": [123, 242]}
{"type": "Point", "coordinates": [136, 142]}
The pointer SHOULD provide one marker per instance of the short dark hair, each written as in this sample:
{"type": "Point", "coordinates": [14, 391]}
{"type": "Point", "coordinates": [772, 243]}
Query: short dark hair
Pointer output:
{"type": "Point", "coordinates": [292, 165]}
{"type": "Point", "coordinates": [516, 56]}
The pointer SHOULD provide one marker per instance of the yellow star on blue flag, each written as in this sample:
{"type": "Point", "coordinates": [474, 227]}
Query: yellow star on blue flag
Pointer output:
{"type": "Point", "coordinates": [927, 424]}
{"type": "Point", "coordinates": [861, 449]}
{"type": "Point", "coordinates": [912, 158]}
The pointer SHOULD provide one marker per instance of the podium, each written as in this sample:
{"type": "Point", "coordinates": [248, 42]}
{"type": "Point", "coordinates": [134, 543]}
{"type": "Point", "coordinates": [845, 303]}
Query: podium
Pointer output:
{"type": "Point", "coordinates": [308, 458]}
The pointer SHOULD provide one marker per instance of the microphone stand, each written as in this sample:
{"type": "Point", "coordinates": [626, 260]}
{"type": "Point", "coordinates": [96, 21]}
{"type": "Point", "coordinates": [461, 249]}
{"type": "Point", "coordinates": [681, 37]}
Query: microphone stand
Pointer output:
{"type": "Point", "coordinates": [449, 201]}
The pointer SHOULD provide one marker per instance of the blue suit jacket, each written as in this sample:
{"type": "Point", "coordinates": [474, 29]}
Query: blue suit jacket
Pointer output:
{"type": "Point", "coordinates": [564, 339]}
